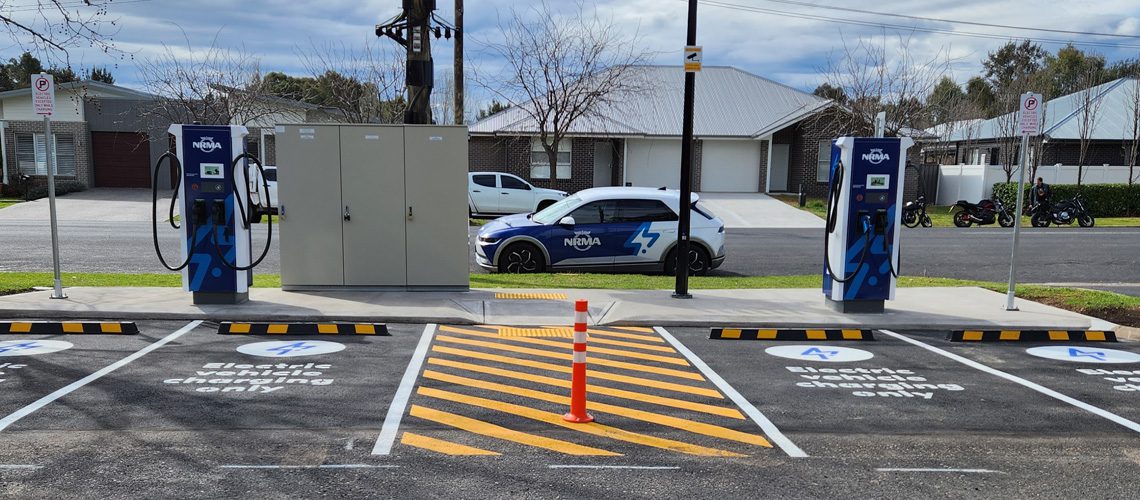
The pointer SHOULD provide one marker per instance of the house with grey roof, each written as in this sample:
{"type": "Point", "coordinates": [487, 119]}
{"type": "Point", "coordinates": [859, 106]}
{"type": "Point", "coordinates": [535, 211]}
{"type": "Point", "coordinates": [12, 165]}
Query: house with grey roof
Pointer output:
{"type": "Point", "coordinates": [752, 135]}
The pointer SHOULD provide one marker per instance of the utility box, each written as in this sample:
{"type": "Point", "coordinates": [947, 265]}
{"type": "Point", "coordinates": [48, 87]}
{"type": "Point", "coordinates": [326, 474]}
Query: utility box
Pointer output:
{"type": "Point", "coordinates": [373, 206]}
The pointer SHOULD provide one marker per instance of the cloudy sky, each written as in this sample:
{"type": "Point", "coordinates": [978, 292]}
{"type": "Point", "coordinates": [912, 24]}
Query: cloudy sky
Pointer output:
{"type": "Point", "coordinates": [788, 41]}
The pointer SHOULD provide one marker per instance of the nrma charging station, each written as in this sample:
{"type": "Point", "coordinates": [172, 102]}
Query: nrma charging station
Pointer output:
{"type": "Point", "coordinates": [865, 196]}
{"type": "Point", "coordinates": [216, 248]}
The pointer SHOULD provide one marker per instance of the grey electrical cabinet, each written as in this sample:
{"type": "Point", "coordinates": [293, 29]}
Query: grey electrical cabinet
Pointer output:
{"type": "Point", "coordinates": [373, 206]}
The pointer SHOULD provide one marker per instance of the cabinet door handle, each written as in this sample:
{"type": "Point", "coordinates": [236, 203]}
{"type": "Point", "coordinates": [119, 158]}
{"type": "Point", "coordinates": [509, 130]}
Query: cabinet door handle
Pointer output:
{"type": "Point", "coordinates": [347, 215]}
{"type": "Point", "coordinates": [410, 213]}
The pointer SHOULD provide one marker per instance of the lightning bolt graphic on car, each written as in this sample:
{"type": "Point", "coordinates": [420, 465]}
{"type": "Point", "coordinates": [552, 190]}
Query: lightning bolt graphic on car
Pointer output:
{"type": "Point", "coordinates": [642, 239]}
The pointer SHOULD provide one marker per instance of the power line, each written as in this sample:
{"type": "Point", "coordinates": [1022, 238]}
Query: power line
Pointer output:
{"type": "Point", "coordinates": [990, 36]}
{"type": "Point", "coordinates": [952, 21]}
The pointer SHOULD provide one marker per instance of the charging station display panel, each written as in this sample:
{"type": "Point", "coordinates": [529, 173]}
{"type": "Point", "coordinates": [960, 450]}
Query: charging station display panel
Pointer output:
{"type": "Point", "coordinates": [873, 189]}
{"type": "Point", "coordinates": [207, 152]}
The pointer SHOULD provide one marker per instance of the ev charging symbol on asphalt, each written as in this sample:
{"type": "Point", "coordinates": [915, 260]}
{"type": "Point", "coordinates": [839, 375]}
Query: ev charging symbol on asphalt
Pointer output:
{"type": "Point", "coordinates": [289, 349]}
{"type": "Point", "coordinates": [31, 347]}
{"type": "Point", "coordinates": [284, 350]}
{"type": "Point", "coordinates": [17, 347]}
{"type": "Point", "coordinates": [824, 355]}
{"type": "Point", "coordinates": [1076, 353]}
{"type": "Point", "coordinates": [1082, 354]}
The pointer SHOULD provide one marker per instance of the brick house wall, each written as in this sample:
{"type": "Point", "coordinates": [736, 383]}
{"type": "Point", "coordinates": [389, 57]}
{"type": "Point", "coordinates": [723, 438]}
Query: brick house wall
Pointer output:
{"type": "Point", "coordinates": [512, 155]}
{"type": "Point", "coordinates": [805, 151]}
{"type": "Point", "coordinates": [78, 130]}
{"type": "Point", "coordinates": [763, 187]}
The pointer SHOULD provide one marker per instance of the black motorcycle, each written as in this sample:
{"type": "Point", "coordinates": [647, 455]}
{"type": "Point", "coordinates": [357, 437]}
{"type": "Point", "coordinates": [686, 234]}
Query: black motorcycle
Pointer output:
{"type": "Point", "coordinates": [981, 213]}
{"type": "Point", "coordinates": [914, 213]}
{"type": "Point", "coordinates": [1063, 212]}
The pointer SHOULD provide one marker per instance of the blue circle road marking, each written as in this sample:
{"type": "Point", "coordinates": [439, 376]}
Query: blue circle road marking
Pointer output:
{"type": "Point", "coordinates": [32, 347]}
{"type": "Point", "coordinates": [1084, 354]}
{"type": "Point", "coordinates": [828, 353]}
{"type": "Point", "coordinates": [289, 349]}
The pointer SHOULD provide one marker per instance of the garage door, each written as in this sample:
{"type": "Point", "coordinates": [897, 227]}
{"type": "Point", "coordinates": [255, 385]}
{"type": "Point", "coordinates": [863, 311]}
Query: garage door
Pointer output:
{"type": "Point", "coordinates": [120, 159]}
{"type": "Point", "coordinates": [730, 167]}
{"type": "Point", "coordinates": [654, 163]}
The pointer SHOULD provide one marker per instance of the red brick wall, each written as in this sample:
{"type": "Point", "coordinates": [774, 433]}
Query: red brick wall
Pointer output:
{"type": "Point", "coordinates": [78, 130]}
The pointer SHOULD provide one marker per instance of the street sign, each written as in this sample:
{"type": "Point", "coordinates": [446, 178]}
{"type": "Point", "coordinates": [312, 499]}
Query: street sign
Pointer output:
{"type": "Point", "coordinates": [693, 59]}
{"type": "Point", "coordinates": [43, 94]}
{"type": "Point", "coordinates": [1030, 116]}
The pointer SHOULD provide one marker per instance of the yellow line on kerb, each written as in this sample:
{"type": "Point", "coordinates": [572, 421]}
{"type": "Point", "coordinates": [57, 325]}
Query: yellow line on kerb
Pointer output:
{"type": "Point", "coordinates": [693, 426]}
{"type": "Point", "coordinates": [565, 345]}
{"type": "Point", "coordinates": [646, 382]}
{"type": "Point", "coordinates": [593, 428]}
{"type": "Point", "coordinates": [499, 432]}
{"type": "Point", "coordinates": [569, 356]}
{"type": "Point", "coordinates": [441, 446]}
{"type": "Point", "coordinates": [591, 388]}
{"type": "Point", "coordinates": [633, 329]}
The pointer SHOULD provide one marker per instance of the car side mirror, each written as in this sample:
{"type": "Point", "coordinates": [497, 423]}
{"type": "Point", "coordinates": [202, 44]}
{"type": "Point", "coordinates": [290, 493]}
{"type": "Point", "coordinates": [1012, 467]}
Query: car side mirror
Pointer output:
{"type": "Point", "coordinates": [566, 221]}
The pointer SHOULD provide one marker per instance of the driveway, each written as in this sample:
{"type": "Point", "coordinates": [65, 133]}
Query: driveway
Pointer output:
{"type": "Point", "coordinates": [758, 211]}
{"type": "Point", "coordinates": [96, 205]}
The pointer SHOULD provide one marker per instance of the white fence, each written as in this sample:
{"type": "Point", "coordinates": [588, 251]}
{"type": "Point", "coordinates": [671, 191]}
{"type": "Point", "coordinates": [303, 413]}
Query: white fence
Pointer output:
{"type": "Point", "coordinates": [976, 182]}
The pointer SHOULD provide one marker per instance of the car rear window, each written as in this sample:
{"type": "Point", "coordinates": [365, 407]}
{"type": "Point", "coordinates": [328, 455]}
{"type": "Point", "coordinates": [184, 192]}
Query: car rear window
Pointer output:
{"type": "Point", "coordinates": [484, 180]}
{"type": "Point", "coordinates": [644, 211]}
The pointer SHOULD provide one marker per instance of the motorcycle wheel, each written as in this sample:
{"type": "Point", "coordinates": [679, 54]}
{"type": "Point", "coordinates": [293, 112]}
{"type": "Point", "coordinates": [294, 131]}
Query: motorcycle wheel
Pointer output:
{"type": "Point", "coordinates": [962, 219]}
{"type": "Point", "coordinates": [1005, 220]}
{"type": "Point", "coordinates": [910, 219]}
{"type": "Point", "coordinates": [1086, 220]}
{"type": "Point", "coordinates": [1039, 220]}
{"type": "Point", "coordinates": [926, 222]}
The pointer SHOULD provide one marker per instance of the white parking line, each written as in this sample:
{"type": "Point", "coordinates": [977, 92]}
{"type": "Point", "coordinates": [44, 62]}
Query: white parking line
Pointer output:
{"type": "Point", "coordinates": [960, 471]}
{"type": "Point", "coordinates": [1018, 380]}
{"type": "Point", "coordinates": [766, 425]}
{"type": "Point", "coordinates": [387, 437]}
{"type": "Point", "coordinates": [19, 466]}
{"type": "Point", "coordinates": [46, 400]}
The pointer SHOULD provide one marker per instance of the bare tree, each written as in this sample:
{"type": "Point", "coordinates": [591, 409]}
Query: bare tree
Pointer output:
{"type": "Point", "coordinates": [1089, 100]}
{"type": "Point", "coordinates": [213, 86]}
{"type": "Point", "coordinates": [876, 80]}
{"type": "Point", "coordinates": [1131, 145]}
{"type": "Point", "coordinates": [51, 27]}
{"type": "Point", "coordinates": [365, 84]}
{"type": "Point", "coordinates": [559, 69]}
{"type": "Point", "coordinates": [443, 101]}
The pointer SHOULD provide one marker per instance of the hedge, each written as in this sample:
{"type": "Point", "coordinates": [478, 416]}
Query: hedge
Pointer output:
{"type": "Point", "coordinates": [38, 191]}
{"type": "Point", "coordinates": [1102, 200]}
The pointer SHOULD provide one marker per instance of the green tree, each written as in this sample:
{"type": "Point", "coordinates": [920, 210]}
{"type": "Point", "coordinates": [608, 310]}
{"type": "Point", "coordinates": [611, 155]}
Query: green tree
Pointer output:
{"type": "Point", "coordinates": [20, 70]}
{"type": "Point", "coordinates": [981, 95]}
{"type": "Point", "coordinates": [101, 75]}
{"type": "Point", "coordinates": [944, 101]}
{"type": "Point", "coordinates": [1069, 71]}
{"type": "Point", "coordinates": [1010, 67]}
{"type": "Point", "coordinates": [829, 91]}
{"type": "Point", "coordinates": [62, 75]}
{"type": "Point", "coordinates": [491, 109]}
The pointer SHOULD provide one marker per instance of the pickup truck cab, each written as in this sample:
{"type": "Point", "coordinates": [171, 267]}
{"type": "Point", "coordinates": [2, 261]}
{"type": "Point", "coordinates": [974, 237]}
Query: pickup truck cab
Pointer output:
{"type": "Point", "coordinates": [496, 193]}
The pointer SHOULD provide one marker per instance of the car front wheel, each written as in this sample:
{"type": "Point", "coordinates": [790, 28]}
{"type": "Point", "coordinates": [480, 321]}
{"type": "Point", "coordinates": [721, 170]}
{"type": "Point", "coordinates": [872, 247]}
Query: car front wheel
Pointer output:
{"type": "Point", "coordinates": [521, 258]}
{"type": "Point", "coordinates": [699, 262]}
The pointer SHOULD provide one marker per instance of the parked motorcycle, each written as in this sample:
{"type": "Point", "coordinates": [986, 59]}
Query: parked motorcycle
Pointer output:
{"type": "Point", "coordinates": [914, 213]}
{"type": "Point", "coordinates": [981, 213]}
{"type": "Point", "coordinates": [1063, 212]}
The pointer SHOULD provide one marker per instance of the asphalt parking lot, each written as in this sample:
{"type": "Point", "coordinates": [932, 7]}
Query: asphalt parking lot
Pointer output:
{"type": "Point", "coordinates": [446, 411]}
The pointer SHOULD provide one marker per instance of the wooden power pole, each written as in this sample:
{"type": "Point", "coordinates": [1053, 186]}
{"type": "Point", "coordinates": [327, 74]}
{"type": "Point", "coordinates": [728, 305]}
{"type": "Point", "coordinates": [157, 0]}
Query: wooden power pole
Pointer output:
{"type": "Point", "coordinates": [420, 68]}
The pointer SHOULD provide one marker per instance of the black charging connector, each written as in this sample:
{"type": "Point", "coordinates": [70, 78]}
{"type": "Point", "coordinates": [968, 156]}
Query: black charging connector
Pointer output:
{"type": "Point", "coordinates": [219, 212]}
{"type": "Point", "coordinates": [199, 214]}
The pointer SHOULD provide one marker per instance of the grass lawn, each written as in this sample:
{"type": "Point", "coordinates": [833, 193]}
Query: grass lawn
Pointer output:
{"type": "Point", "coordinates": [7, 202]}
{"type": "Point", "coordinates": [1121, 309]}
{"type": "Point", "coordinates": [940, 215]}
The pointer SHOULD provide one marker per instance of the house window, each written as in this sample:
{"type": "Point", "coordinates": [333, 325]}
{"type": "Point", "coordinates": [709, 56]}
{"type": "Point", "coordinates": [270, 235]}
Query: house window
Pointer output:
{"type": "Point", "coordinates": [540, 165]}
{"type": "Point", "coordinates": [823, 162]}
{"type": "Point", "coordinates": [31, 154]}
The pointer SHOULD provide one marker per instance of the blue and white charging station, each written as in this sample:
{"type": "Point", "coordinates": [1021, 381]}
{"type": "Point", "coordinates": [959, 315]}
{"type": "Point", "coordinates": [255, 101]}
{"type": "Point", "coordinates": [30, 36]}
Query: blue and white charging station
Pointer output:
{"type": "Point", "coordinates": [216, 247]}
{"type": "Point", "coordinates": [864, 211]}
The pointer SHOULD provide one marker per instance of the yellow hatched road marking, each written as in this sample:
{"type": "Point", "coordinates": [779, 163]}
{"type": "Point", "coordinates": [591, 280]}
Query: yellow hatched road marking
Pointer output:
{"type": "Point", "coordinates": [537, 332]}
{"type": "Point", "coordinates": [631, 336]}
{"type": "Point", "coordinates": [608, 391]}
{"type": "Point", "coordinates": [20, 328]}
{"type": "Point", "coordinates": [441, 446]}
{"type": "Point", "coordinates": [570, 357]}
{"type": "Point", "coordinates": [637, 345]}
{"type": "Point", "coordinates": [633, 329]}
{"type": "Point", "coordinates": [73, 327]}
{"type": "Point", "coordinates": [593, 428]}
{"type": "Point", "coordinates": [693, 426]}
{"type": "Point", "coordinates": [971, 335]}
{"type": "Point", "coordinates": [531, 296]}
{"type": "Point", "coordinates": [563, 345]}
{"type": "Point", "coordinates": [688, 389]}
{"type": "Point", "coordinates": [1094, 335]}
{"type": "Point", "coordinates": [499, 432]}
{"type": "Point", "coordinates": [1010, 335]}
{"type": "Point", "coordinates": [1058, 335]}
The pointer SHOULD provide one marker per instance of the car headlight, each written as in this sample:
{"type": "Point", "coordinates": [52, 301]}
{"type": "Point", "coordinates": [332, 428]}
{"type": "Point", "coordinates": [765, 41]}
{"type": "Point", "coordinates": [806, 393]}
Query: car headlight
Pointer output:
{"type": "Point", "coordinates": [488, 239]}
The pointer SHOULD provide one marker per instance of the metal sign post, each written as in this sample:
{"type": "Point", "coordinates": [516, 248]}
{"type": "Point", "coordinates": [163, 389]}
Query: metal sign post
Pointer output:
{"type": "Point", "coordinates": [1030, 124]}
{"type": "Point", "coordinates": [692, 66]}
{"type": "Point", "coordinates": [43, 100]}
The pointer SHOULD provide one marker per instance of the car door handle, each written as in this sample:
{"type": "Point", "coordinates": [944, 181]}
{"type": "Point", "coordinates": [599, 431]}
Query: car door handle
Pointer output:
{"type": "Point", "coordinates": [476, 191]}
{"type": "Point", "coordinates": [506, 193]}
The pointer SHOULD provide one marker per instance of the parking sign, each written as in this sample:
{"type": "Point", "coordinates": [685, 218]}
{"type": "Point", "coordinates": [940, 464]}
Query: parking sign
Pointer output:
{"type": "Point", "coordinates": [43, 94]}
{"type": "Point", "coordinates": [1030, 119]}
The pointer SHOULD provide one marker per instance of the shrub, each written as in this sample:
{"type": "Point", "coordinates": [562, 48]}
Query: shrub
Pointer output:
{"type": "Point", "coordinates": [1102, 200]}
{"type": "Point", "coordinates": [37, 191]}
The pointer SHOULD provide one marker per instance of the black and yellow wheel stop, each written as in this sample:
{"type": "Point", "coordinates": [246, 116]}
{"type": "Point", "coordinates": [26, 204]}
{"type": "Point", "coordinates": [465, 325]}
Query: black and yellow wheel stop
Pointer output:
{"type": "Point", "coordinates": [69, 328]}
{"type": "Point", "coordinates": [235, 328]}
{"type": "Point", "coordinates": [789, 334]}
{"type": "Point", "coordinates": [1032, 336]}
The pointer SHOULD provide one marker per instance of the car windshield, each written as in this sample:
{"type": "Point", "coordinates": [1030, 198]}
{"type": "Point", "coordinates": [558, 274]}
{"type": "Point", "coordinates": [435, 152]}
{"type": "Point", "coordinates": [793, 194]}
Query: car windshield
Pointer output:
{"type": "Point", "coordinates": [553, 213]}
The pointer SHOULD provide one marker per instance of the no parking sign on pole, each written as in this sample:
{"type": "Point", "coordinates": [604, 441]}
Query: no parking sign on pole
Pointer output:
{"type": "Point", "coordinates": [43, 100]}
{"type": "Point", "coordinates": [1029, 123]}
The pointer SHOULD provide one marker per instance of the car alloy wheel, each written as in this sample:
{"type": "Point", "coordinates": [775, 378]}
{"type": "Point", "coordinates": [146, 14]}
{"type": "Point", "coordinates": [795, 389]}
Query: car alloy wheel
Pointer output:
{"type": "Point", "coordinates": [521, 258]}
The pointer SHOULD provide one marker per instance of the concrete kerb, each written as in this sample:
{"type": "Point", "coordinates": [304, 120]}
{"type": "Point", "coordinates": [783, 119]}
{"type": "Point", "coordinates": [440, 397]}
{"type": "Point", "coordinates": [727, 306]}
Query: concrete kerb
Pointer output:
{"type": "Point", "coordinates": [925, 309]}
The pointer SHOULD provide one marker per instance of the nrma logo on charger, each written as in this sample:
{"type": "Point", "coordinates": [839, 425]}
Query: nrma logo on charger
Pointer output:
{"type": "Point", "coordinates": [876, 156]}
{"type": "Point", "coordinates": [206, 145]}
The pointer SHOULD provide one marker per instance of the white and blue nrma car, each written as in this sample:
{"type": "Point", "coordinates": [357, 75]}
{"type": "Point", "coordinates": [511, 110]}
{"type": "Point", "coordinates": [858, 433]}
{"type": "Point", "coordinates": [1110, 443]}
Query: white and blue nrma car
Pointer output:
{"type": "Point", "coordinates": [602, 229]}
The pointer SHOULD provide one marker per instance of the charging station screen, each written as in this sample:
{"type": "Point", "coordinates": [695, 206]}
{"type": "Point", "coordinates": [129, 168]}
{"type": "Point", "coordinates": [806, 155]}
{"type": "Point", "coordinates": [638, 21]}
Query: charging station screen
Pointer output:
{"type": "Point", "coordinates": [878, 181]}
